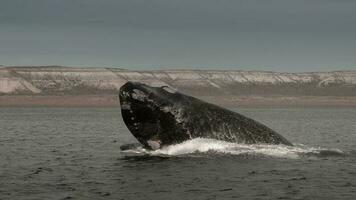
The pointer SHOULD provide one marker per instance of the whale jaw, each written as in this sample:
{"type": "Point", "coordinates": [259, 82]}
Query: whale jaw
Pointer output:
{"type": "Point", "coordinates": [146, 113]}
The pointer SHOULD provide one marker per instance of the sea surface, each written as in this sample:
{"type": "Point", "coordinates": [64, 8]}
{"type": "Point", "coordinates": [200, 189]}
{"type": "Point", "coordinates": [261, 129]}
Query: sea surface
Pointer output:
{"type": "Point", "coordinates": [74, 153]}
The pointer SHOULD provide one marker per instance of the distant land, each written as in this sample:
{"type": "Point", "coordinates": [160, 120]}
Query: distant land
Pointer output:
{"type": "Point", "coordinates": [67, 86]}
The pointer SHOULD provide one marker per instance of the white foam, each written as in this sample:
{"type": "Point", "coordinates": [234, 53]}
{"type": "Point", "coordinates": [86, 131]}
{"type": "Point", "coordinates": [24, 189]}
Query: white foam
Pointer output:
{"type": "Point", "coordinates": [203, 145]}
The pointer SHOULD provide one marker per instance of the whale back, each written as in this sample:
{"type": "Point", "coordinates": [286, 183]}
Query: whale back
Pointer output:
{"type": "Point", "coordinates": [211, 121]}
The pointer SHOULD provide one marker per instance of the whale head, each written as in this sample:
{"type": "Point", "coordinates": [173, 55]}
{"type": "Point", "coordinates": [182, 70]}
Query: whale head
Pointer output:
{"type": "Point", "coordinates": [152, 114]}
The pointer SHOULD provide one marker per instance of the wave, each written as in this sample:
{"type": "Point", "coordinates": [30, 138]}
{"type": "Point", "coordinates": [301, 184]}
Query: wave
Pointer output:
{"type": "Point", "coordinates": [204, 145]}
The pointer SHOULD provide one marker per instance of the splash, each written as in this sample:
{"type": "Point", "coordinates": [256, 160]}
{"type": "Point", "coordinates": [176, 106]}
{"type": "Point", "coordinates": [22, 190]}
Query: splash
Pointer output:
{"type": "Point", "coordinates": [204, 145]}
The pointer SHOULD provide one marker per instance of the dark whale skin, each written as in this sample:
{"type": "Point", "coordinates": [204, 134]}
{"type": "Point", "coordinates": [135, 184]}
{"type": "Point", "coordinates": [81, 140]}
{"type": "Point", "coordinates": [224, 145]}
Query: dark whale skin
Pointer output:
{"type": "Point", "coordinates": [159, 116]}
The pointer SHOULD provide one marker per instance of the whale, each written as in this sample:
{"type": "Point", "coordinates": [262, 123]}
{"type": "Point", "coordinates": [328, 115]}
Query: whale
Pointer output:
{"type": "Point", "coordinates": [162, 116]}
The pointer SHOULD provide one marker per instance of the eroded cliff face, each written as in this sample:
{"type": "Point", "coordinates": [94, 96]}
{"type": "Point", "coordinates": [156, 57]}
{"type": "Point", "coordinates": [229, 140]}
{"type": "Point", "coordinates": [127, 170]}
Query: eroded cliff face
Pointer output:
{"type": "Point", "coordinates": [12, 84]}
{"type": "Point", "coordinates": [56, 80]}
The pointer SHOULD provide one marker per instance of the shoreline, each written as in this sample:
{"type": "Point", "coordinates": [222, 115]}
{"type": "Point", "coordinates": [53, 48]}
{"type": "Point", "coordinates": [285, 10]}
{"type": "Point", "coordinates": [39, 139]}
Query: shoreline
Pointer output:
{"type": "Point", "coordinates": [225, 101]}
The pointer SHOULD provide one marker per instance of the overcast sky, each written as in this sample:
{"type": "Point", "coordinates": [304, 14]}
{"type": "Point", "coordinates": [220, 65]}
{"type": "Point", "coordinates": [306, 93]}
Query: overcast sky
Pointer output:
{"type": "Point", "coordinates": [278, 35]}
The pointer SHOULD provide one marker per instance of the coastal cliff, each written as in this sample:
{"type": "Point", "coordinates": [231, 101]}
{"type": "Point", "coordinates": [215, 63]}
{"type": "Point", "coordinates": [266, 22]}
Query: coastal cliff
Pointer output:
{"type": "Point", "coordinates": [57, 81]}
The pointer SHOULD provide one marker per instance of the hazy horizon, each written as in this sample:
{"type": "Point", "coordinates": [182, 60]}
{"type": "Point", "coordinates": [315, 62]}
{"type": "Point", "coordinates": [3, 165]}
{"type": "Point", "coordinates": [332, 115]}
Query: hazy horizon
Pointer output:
{"type": "Point", "coordinates": [281, 35]}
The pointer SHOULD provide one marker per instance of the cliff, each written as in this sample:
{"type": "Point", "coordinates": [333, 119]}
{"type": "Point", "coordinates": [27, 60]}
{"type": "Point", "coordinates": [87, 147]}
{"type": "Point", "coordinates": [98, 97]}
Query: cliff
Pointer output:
{"type": "Point", "coordinates": [57, 80]}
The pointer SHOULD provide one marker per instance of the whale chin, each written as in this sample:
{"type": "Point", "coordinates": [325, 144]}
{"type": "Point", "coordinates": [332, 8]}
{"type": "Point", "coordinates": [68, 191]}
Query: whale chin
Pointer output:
{"type": "Point", "coordinates": [159, 116]}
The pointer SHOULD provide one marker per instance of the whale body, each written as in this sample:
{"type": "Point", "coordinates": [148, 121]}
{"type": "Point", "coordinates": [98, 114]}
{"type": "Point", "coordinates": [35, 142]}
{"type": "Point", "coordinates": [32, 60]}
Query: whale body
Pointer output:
{"type": "Point", "coordinates": [160, 116]}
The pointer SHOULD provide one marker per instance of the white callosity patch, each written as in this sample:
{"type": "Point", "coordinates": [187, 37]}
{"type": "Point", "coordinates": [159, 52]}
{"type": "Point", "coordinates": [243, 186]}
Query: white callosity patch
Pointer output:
{"type": "Point", "coordinates": [165, 109]}
{"type": "Point", "coordinates": [138, 95]}
{"type": "Point", "coordinates": [125, 94]}
{"type": "Point", "coordinates": [169, 89]}
{"type": "Point", "coordinates": [178, 114]}
{"type": "Point", "coordinates": [154, 144]}
{"type": "Point", "coordinates": [126, 106]}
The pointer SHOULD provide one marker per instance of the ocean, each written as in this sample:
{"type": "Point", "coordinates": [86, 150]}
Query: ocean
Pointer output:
{"type": "Point", "coordinates": [74, 153]}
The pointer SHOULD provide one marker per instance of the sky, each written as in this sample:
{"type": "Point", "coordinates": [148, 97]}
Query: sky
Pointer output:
{"type": "Point", "coordinates": [270, 35]}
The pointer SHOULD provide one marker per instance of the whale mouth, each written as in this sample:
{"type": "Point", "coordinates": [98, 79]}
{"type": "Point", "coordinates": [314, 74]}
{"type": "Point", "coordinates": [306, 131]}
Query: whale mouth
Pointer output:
{"type": "Point", "coordinates": [135, 108]}
{"type": "Point", "coordinates": [141, 109]}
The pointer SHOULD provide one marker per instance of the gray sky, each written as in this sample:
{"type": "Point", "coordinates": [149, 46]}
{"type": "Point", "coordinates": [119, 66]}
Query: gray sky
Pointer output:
{"type": "Point", "coordinates": [283, 35]}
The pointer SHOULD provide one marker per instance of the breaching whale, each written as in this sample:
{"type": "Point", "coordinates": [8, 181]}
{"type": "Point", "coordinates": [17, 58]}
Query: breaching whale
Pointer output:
{"type": "Point", "coordinates": [160, 116]}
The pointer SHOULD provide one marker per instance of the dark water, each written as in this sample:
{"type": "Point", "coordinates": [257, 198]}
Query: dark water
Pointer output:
{"type": "Point", "coordinates": [73, 153]}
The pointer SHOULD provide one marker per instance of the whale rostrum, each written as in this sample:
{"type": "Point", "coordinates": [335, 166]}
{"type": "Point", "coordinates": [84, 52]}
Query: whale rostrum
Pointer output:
{"type": "Point", "coordinates": [160, 116]}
